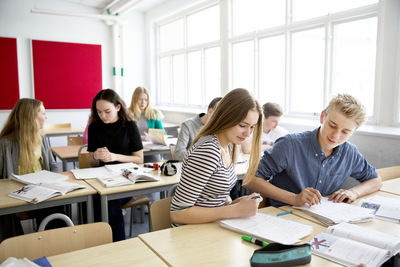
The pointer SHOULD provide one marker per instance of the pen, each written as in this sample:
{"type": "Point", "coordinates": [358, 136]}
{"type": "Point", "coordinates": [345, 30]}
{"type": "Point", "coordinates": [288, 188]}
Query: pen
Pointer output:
{"type": "Point", "coordinates": [254, 240]}
{"type": "Point", "coordinates": [284, 213]}
{"type": "Point", "coordinates": [255, 197]}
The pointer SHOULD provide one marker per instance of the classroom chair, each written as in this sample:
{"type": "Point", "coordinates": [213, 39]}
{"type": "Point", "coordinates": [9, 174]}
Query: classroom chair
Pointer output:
{"type": "Point", "coordinates": [389, 173]}
{"type": "Point", "coordinates": [74, 140]}
{"type": "Point", "coordinates": [83, 157]}
{"type": "Point", "coordinates": [56, 241]}
{"type": "Point", "coordinates": [159, 214]}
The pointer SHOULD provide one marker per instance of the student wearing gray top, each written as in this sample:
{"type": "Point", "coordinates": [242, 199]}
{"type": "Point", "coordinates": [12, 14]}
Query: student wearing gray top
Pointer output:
{"type": "Point", "coordinates": [301, 168]}
{"type": "Point", "coordinates": [190, 128]}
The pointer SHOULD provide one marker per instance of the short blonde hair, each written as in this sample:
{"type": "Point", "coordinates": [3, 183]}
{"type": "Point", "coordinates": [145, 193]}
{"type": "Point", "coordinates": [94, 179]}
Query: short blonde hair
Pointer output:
{"type": "Point", "coordinates": [348, 105]}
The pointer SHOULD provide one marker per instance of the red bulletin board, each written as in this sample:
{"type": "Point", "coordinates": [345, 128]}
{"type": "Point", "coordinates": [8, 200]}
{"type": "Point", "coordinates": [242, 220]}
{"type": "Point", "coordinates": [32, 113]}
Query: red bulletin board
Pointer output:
{"type": "Point", "coordinates": [8, 73]}
{"type": "Point", "coordinates": [66, 75]}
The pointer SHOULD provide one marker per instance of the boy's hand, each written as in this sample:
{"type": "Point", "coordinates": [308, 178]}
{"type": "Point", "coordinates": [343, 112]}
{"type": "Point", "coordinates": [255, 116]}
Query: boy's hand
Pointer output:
{"type": "Point", "coordinates": [342, 195]}
{"type": "Point", "coordinates": [309, 195]}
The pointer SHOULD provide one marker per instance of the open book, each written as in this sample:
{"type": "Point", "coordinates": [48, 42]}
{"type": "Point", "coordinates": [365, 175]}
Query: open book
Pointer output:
{"type": "Point", "coordinates": [352, 245]}
{"type": "Point", "coordinates": [157, 136]}
{"type": "Point", "coordinates": [384, 208]}
{"type": "Point", "coordinates": [116, 174]}
{"type": "Point", "coordinates": [36, 193]}
{"type": "Point", "coordinates": [39, 177]}
{"type": "Point", "coordinates": [329, 212]}
{"type": "Point", "coordinates": [269, 228]}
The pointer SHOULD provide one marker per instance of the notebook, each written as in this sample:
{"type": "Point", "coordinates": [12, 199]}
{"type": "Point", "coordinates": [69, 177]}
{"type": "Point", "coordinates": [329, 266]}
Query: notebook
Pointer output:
{"type": "Point", "coordinates": [39, 177]}
{"type": "Point", "coordinates": [352, 245]}
{"type": "Point", "coordinates": [269, 228]}
{"type": "Point", "coordinates": [329, 212]}
{"type": "Point", "coordinates": [384, 208]}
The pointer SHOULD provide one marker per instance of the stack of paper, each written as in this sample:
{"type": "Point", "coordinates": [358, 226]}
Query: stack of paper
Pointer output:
{"type": "Point", "coordinates": [39, 177]}
{"type": "Point", "coordinates": [331, 213]}
{"type": "Point", "coordinates": [269, 228]}
{"type": "Point", "coordinates": [384, 208]}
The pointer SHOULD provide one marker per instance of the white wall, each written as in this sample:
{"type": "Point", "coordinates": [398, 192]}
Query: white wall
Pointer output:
{"type": "Point", "coordinates": [17, 21]}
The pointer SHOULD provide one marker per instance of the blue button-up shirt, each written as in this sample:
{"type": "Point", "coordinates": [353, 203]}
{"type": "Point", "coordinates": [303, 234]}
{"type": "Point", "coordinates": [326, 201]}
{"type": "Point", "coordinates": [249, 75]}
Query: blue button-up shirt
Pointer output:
{"type": "Point", "coordinates": [296, 161]}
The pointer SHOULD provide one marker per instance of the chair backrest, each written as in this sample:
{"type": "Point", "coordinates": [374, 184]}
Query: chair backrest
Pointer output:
{"type": "Point", "coordinates": [83, 157]}
{"type": "Point", "coordinates": [159, 214]}
{"type": "Point", "coordinates": [389, 173]}
{"type": "Point", "coordinates": [172, 151]}
{"type": "Point", "coordinates": [57, 125]}
{"type": "Point", "coordinates": [56, 241]}
{"type": "Point", "coordinates": [74, 140]}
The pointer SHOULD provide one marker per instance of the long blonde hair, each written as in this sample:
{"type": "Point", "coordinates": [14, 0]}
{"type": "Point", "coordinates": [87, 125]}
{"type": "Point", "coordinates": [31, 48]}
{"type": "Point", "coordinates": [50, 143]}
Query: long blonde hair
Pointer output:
{"type": "Point", "coordinates": [149, 112]}
{"type": "Point", "coordinates": [230, 111]}
{"type": "Point", "coordinates": [22, 125]}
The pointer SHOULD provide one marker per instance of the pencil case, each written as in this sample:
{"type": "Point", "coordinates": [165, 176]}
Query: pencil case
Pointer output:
{"type": "Point", "coordinates": [276, 254]}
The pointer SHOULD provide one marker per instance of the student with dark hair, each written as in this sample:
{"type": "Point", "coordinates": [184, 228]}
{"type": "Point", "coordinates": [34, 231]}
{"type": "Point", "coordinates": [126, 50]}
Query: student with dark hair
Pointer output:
{"type": "Point", "coordinates": [190, 128]}
{"type": "Point", "coordinates": [208, 173]}
{"type": "Point", "coordinates": [271, 130]}
{"type": "Point", "coordinates": [113, 138]}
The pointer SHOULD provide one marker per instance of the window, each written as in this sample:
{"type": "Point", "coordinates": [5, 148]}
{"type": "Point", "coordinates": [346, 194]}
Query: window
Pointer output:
{"type": "Point", "coordinates": [189, 59]}
{"type": "Point", "coordinates": [296, 53]}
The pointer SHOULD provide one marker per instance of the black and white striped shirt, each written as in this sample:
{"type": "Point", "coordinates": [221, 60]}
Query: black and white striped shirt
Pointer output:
{"type": "Point", "coordinates": [205, 181]}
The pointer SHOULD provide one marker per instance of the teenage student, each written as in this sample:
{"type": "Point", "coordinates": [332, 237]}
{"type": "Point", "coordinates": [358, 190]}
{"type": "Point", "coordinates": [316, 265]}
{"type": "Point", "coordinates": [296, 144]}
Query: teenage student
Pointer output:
{"type": "Point", "coordinates": [190, 128]}
{"type": "Point", "coordinates": [301, 168]}
{"type": "Point", "coordinates": [23, 150]}
{"type": "Point", "coordinates": [208, 172]}
{"type": "Point", "coordinates": [113, 138]}
{"type": "Point", "coordinates": [271, 130]}
{"type": "Point", "coordinates": [146, 116]}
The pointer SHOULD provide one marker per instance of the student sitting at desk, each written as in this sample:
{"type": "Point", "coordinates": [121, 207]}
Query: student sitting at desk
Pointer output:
{"type": "Point", "coordinates": [146, 116]}
{"type": "Point", "coordinates": [113, 138]}
{"type": "Point", "coordinates": [271, 130]}
{"type": "Point", "coordinates": [190, 128]}
{"type": "Point", "coordinates": [302, 167]}
{"type": "Point", "coordinates": [23, 150]}
{"type": "Point", "coordinates": [208, 173]}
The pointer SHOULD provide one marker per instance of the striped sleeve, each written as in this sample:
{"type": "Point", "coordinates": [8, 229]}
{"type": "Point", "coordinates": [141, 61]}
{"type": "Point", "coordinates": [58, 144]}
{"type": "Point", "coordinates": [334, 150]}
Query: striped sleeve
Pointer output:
{"type": "Point", "coordinates": [200, 164]}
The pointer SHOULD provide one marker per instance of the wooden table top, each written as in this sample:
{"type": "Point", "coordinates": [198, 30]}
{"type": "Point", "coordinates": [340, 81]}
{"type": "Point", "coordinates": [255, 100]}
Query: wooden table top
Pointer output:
{"type": "Point", "coordinates": [8, 185]}
{"type": "Point", "coordinates": [130, 252]}
{"type": "Point", "coordinates": [211, 245]}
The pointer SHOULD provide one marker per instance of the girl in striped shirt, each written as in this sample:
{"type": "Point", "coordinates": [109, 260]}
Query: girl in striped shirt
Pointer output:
{"type": "Point", "coordinates": [208, 173]}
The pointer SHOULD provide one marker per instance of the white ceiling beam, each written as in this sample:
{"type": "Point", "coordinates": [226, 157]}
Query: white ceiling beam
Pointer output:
{"type": "Point", "coordinates": [122, 6]}
{"type": "Point", "coordinates": [107, 18]}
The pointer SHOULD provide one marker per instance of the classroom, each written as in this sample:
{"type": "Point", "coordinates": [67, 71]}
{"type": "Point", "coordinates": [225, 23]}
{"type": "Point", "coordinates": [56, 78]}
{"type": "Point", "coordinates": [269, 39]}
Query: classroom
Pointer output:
{"type": "Point", "coordinates": [297, 53]}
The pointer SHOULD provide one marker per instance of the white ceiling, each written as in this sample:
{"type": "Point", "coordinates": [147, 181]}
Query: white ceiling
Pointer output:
{"type": "Point", "coordinates": [141, 5]}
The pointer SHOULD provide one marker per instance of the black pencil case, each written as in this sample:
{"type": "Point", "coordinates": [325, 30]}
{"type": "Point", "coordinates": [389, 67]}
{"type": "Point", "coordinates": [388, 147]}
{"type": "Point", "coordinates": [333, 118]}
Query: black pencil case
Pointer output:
{"type": "Point", "coordinates": [276, 254]}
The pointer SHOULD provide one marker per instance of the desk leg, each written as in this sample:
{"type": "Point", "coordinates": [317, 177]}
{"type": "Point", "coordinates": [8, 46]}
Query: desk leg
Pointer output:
{"type": "Point", "coordinates": [64, 163]}
{"type": "Point", "coordinates": [89, 209]}
{"type": "Point", "coordinates": [104, 208]}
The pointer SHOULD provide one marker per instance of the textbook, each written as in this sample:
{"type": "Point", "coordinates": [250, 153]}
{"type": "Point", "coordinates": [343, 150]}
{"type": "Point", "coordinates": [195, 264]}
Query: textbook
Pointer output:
{"type": "Point", "coordinates": [125, 174]}
{"type": "Point", "coordinates": [384, 208]}
{"type": "Point", "coordinates": [329, 212]}
{"type": "Point", "coordinates": [36, 193]}
{"type": "Point", "coordinates": [39, 177]}
{"type": "Point", "coordinates": [352, 245]}
{"type": "Point", "coordinates": [269, 228]}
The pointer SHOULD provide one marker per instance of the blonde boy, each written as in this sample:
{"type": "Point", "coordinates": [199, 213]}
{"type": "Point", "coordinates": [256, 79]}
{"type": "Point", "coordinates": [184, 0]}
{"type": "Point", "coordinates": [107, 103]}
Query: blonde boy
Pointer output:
{"type": "Point", "coordinates": [303, 167]}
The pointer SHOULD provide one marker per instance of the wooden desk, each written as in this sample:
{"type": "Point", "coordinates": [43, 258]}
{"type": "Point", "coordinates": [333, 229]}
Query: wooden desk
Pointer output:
{"type": "Point", "coordinates": [67, 154]}
{"type": "Point", "coordinates": [131, 252]}
{"type": "Point", "coordinates": [110, 193]}
{"type": "Point", "coordinates": [391, 186]}
{"type": "Point", "coordinates": [63, 131]}
{"type": "Point", "coordinates": [211, 245]}
{"type": "Point", "coordinates": [10, 205]}
{"type": "Point", "coordinates": [70, 153]}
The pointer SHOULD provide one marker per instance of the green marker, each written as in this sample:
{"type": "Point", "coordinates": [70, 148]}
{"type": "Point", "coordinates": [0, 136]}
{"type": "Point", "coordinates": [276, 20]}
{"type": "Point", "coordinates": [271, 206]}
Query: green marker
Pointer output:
{"type": "Point", "coordinates": [254, 240]}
